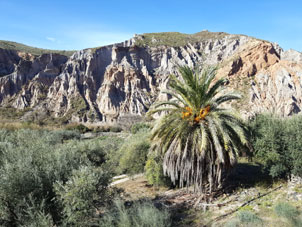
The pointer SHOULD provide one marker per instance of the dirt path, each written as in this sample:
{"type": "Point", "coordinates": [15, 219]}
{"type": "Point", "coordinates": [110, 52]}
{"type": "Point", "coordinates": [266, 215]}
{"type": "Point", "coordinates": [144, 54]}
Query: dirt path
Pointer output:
{"type": "Point", "coordinates": [123, 178]}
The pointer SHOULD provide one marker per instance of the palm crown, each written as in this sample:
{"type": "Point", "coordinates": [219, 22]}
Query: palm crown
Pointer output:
{"type": "Point", "coordinates": [199, 140]}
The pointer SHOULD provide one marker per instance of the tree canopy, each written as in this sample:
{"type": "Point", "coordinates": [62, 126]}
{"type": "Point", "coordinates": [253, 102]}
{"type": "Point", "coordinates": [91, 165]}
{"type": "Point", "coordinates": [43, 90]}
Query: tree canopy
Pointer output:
{"type": "Point", "coordinates": [198, 138]}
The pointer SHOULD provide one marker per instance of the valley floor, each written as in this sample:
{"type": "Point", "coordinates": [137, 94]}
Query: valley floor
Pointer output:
{"type": "Point", "coordinates": [248, 197]}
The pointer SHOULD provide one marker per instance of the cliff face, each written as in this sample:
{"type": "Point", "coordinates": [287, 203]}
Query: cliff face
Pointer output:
{"type": "Point", "coordinates": [269, 79]}
{"type": "Point", "coordinates": [121, 81]}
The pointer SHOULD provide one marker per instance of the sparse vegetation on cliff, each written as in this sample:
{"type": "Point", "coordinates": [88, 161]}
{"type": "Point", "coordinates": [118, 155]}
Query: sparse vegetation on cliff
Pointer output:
{"type": "Point", "coordinates": [176, 39]}
{"type": "Point", "coordinates": [9, 45]}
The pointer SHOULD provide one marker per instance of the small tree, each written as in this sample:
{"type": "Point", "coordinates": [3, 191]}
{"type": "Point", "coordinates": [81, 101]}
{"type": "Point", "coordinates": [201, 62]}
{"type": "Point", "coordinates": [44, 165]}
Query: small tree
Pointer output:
{"type": "Point", "coordinates": [199, 139]}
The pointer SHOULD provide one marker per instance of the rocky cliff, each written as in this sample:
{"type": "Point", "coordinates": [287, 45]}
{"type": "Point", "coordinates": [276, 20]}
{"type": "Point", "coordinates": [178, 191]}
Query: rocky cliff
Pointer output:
{"type": "Point", "coordinates": [119, 82]}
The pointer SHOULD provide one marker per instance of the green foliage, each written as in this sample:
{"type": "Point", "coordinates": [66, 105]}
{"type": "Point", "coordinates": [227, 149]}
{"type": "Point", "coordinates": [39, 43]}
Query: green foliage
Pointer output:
{"type": "Point", "coordinates": [154, 171]}
{"type": "Point", "coordinates": [12, 113]}
{"type": "Point", "coordinates": [134, 153]}
{"type": "Point", "coordinates": [107, 128]}
{"type": "Point", "coordinates": [101, 129]}
{"type": "Point", "coordinates": [84, 192]}
{"type": "Point", "coordinates": [64, 135]}
{"type": "Point", "coordinates": [111, 147]}
{"type": "Point", "coordinates": [32, 162]}
{"type": "Point", "coordinates": [245, 219]}
{"type": "Point", "coordinates": [200, 140]}
{"type": "Point", "coordinates": [32, 50]}
{"type": "Point", "coordinates": [78, 127]}
{"type": "Point", "coordinates": [29, 168]}
{"type": "Point", "coordinates": [115, 129]}
{"type": "Point", "coordinates": [36, 215]}
{"type": "Point", "coordinates": [277, 143]}
{"type": "Point", "coordinates": [138, 126]}
{"type": "Point", "coordinates": [176, 39]}
{"type": "Point", "coordinates": [249, 217]}
{"type": "Point", "coordinates": [137, 215]}
{"type": "Point", "coordinates": [289, 212]}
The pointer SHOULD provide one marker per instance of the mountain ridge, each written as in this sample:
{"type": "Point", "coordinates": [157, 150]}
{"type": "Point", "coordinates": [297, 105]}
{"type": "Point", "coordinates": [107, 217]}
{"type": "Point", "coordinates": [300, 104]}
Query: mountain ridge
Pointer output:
{"type": "Point", "coordinates": [119, 82]}
{"type": "Point", "coordinates": [10, 45]}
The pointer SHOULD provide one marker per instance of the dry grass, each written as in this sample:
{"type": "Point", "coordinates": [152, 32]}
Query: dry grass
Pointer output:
{"type": "Point", "coordinates": [139, 188]}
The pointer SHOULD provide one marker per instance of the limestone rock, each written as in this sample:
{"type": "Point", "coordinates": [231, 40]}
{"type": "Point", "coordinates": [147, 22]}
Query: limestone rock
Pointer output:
{"type": "Point", "coordinates": [292, 55]}
{"type": "Point", "coordinates": [121, 81]}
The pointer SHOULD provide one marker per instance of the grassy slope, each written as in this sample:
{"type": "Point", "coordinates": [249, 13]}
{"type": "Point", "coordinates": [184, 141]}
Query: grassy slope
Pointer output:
{"type": "Point", "coordinates": [32, 50]}
{"type": "Point", "coordinates": [176, 39]}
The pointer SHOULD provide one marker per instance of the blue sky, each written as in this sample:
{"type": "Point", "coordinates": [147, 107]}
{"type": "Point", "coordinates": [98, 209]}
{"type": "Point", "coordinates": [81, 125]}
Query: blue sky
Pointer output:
{"type": "Point", "coordinates": [67, 24]}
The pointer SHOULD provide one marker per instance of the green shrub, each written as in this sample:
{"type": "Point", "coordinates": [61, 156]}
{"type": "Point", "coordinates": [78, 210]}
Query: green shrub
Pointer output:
{"type": "Point", "coordinates": [107, 128]}
{"type": "Point", "coordinates": [36, 215]}
{"type": "Point", "coordinates": [110, 145]}
{"type": "Point", "coordinates": [138, 126]}
{"type": "Point", "coordinates": [84, 192]}
{"type": "Point", "coordinates": [288, 212]}
{"type": "Point", "coordinates": [80, 127]}
{"type": "Point", "coordinates": [246, 219]}
{"type": "Point", "coordinates": [32, 162]}
{"type": "Point", "coordinates": [101, 129]}
{"type": "Point", "coordinates": [115, 129]}
{"type": "Point", "coordinates": [137, 215]}
{"type": "Point", "coordinates": [277, 143]}
{"type": "Point", "coordinates": [68, 134]}
{"type": "Point", "coordinates": [134, 153]}
{"type": "Point", "coordinates": [154, 171]}
{"type": "Point", "coordinates": [233, 223]}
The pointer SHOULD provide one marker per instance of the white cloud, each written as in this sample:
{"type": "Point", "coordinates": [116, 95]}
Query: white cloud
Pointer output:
{"type": "Point", "coordinates": [51, 39]}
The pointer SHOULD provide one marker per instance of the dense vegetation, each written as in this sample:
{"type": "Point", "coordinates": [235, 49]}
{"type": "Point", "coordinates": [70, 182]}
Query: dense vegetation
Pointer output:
{"type": "Point", "coordinates": [57, 178]}
{"type": "Point", "coordinates": [31, 50]}
{"type": "Point", "coordinates": [52, 178]}
{"type": "Point", "coordinates": [277, 143]}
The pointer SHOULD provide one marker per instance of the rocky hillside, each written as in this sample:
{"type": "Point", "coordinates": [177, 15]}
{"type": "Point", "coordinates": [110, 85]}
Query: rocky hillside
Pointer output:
{"type": "Point", "coordinates": [119, 82]}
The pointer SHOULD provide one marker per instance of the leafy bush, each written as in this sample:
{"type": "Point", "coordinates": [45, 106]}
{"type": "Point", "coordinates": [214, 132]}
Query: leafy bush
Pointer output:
{"type": "Point", "coordinates": [36, 215]}
{"type": "Point", "coordinates": [138, 126]}
{"type": "Point", "coordinates": [245, 218]}
{"type": "Point", "coordinates": [79, 127]}
{"type": "Point", "coordinates": [67, 135]}
{"type": "Point", "coordinates": [111, 147]}
{"type": "Point", "coordinates": [288, 212]}
{"type": "Point", "coordinates": [134, 153]}
{"type": "Point", "coordinates": [107, 128]}
{"type": "Point", "coordinates": [84, 192]}
{"type": "Point", "coordinates": [277, 143]}
{"type": "Point", "coordinates": [29, 168]}
{"type": "Point", "coordinates": [137, 215]}
{"type": "Point", "coordinates": [154, 171]}
{"type": "Point", "coordinates": [249, 217]}
{"type": "Point", "coordinates": [115, 129]}
{"type": "Point", "coordinates": [33, 162]}
{"type": "Point", "coordinates": [102, 128]}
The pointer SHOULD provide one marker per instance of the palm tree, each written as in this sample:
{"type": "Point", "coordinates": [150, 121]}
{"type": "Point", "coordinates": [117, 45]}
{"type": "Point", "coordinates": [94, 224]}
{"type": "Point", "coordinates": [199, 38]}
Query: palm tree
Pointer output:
{"type": "Point", "coordinates": [199, 140]}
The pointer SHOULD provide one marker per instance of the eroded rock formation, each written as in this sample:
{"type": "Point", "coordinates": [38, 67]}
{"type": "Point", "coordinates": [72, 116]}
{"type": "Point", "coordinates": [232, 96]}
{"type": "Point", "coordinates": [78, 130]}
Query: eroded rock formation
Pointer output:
{"type": "Point", "coordinates": [121, 81]}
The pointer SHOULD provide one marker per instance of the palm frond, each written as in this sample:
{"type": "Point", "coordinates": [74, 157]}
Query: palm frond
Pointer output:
{"type": "Point", "coordinates": [199, 140]}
